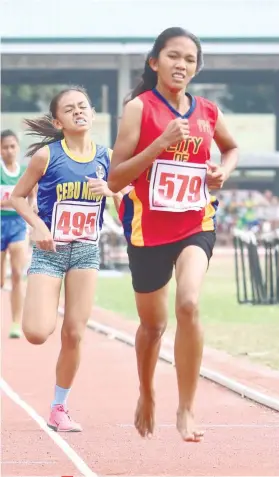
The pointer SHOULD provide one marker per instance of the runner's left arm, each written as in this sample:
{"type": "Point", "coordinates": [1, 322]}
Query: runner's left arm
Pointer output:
{"type": "Point", "coordinates": [226, 145]}
{"type": "Point", "coordinates": [218, 174]}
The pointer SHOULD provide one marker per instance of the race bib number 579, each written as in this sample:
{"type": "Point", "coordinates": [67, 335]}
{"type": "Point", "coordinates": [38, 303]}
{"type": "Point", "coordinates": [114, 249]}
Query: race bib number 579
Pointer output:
{"type": "Point", "coordinates": [75, 221]}
{"type": "Point", "coordinates": [178, 186]}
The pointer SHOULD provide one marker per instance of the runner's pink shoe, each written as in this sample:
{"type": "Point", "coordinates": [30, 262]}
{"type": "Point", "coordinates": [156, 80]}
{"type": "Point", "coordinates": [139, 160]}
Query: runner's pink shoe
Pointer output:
{"type": "Point", "coordinates": [60, 420]}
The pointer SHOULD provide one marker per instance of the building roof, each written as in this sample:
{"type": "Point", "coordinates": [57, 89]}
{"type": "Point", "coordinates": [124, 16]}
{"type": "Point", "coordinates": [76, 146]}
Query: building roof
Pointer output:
{"type": "Point", "coordinates": [138, 20]}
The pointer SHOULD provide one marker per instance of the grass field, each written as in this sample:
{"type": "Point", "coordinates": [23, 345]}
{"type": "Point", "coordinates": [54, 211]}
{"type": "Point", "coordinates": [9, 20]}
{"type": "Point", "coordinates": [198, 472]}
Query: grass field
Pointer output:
{"type": "Point", "coordinates": [238, 329]}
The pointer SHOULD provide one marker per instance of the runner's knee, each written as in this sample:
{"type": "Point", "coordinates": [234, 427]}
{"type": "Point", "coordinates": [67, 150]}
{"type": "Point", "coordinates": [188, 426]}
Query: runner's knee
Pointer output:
{"type": "Point", "coordinates": [153, 331]}
{"type": "Point", "coordinates": [16, 276]}
{"type": "Point", "coordinates": [35, 337]}
{"type": "Point", "coordinates": [72, 336]}
{"type": "Point", "coordinates": [187, 309]}
{"type": "Point", "coordinates": [34, 332]}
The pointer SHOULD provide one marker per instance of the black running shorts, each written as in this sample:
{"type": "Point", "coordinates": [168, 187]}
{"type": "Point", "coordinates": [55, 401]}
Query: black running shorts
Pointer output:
{"type": "Point", "coordinates": [152, 267]}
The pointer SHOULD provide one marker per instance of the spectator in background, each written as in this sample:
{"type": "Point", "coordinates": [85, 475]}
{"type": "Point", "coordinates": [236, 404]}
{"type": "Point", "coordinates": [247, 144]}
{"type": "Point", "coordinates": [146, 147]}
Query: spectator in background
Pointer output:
{"type": "Point", "coordinates": [13, 227]}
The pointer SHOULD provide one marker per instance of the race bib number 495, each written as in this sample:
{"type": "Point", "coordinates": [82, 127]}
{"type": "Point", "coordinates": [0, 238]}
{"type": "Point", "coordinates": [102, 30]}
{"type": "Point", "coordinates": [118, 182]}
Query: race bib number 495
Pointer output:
{"type": "Point", "coordinates": [178, 186]}
{"type": "Point", "coordinates": [75, 221]}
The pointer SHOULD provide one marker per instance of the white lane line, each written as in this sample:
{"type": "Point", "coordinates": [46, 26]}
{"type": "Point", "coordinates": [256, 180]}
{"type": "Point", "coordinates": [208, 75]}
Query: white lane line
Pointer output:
{"type": "Point", "coordinates": [167, 356]}
{"type": "Point", "coordinates": [58, 440]}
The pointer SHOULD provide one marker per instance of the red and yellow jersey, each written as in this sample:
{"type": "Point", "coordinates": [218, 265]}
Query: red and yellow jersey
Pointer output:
{"type": "Point", "coordinates": [170, 200]}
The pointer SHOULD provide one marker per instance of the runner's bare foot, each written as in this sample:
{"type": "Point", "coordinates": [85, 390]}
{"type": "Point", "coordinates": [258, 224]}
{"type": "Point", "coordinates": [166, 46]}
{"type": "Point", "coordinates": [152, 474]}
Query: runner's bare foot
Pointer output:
{"type": "Point", "coordinates": [186, 426]}
{"type": "Point", "coordinates": [144, 416]}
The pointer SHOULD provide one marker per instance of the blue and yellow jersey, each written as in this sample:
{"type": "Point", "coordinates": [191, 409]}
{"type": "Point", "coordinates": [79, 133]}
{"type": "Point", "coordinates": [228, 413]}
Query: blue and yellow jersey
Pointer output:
{"type": "Point", "coordinates": [64, 200]}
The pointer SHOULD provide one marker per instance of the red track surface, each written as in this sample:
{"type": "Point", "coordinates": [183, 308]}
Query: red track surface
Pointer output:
{"type": "Point", "coordinates": [241, 438]}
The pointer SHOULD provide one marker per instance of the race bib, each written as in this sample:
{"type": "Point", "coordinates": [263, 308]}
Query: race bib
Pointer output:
{"type": "Point", "coordinates": [178, 186]}
{"type": "Point", "coordinates": [6, 192]}
{"type": "Point", "coordinates": [77, 221]}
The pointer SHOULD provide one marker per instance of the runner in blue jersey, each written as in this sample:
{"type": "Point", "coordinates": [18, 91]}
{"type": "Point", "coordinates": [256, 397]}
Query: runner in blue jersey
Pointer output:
{"type": "Point", "coordinates": [71, 172]}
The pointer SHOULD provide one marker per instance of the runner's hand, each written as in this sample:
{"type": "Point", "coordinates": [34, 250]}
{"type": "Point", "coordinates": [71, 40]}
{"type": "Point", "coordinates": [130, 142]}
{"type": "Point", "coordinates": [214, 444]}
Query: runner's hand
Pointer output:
{"type": "Point", "coordinates": [42, 236]}
{"type": "Point", "coordinates": [99, 187]}
{"type": "Point", "coordinates": [177, 130]}
{"type": "Point", "coordinates": [216, 175]}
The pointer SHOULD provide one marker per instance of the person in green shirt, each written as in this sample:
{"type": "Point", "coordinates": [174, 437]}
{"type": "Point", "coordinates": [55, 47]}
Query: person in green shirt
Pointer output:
{"type": "Point", "coordinates": [13, 227]}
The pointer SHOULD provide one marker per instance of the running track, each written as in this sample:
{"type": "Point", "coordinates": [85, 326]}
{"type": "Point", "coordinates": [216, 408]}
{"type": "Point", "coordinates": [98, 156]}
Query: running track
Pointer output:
{"type": "Point", "coordinates": [241, 437]}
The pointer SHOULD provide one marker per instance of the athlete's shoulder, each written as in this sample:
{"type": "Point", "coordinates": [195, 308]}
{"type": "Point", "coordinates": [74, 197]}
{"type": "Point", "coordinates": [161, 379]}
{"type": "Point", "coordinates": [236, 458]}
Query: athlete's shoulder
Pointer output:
{"type": "Point", "coordinates": [148, 97]}
{"type": "Point", "coordinates": [55, 145]}
{"type": "Point", "coordinates": [102, 150]}
{"type": "Point", "coordinates": [131, 117]}
{"type": "Point", "coordinates": [134, 105]}
{"type": "Point", "coordinates": [138, 106]}
{"type": "Point", "coordinates": [146, 94]}
{"type": "Point", "coordinates": [40, 160]}
{"type": "Point", "coordinates": [104, 154]}
{"type": "Point", "coordinates": [205, 101]}
{"type": "Point", "coordinates": [201, 101]}
{"type": "Point", "coordinates": [42, 153]}
{"type": "Point", "coordinates": [206, 107]}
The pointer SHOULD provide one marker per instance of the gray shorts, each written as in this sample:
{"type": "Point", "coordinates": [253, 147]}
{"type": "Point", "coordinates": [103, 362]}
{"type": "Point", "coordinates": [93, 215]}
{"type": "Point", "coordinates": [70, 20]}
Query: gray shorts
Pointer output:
{"type": "Point", "coordinates": [75, 255]}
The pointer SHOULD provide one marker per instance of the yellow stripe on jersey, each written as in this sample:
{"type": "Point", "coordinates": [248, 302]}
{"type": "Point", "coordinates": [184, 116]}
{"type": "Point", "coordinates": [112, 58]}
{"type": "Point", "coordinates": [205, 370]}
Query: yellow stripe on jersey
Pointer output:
{"type": "Point", "coordinates": [207, 221]}
{"type": "Point", "coordinates": [110, 153]}
{"type": "Point", "coordinates": [76, 158]}
{"type": "Point", "coordinates": [48, 159]}
{"type": "Point", "coordinates": [136, 236]}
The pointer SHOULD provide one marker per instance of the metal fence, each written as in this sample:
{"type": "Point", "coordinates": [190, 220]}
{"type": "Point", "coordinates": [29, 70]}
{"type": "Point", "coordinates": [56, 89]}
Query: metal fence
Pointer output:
{"type": "Point", "coordinates": [257, 267]}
